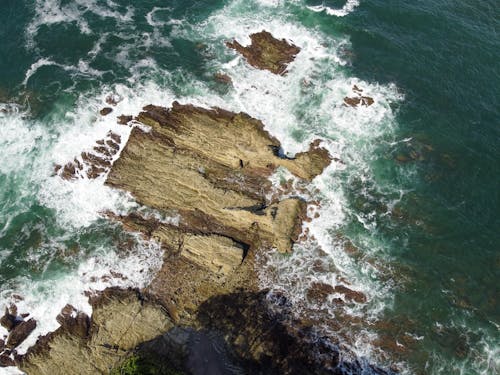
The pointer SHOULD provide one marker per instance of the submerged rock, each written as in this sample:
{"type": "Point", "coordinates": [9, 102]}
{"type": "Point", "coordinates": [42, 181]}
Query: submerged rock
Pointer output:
{"type": "Point", "coordinates": [267, 52]}
{"type": "Point", "coordinates": [223, 78]}
{"type": "Point", "coordinates": [318, 292]}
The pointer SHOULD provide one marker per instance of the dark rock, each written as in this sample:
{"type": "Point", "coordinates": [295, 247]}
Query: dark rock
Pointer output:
{"type": "Point", "coordinates": [75, 322]}
{"type": "Point", "coordinates": [356, 89]}
{"type": "Point", "coordinates": [9, 321]}
{"type": "Point", "coordinates": [350, 295]}
{"type": "Point", "coordinates": [267, 52]}
{"type": "Point", "coordinates": [115, 137]}
{"type": "Point", "coordinates": [2, 345]}
{"type": "Point", "coordinates": [106, 111]}
{"type": "Point", "coordinates": [20, 333]}
{"type": "Point", "coordinates": [114, 146]}
{"type": "Point", "coordinates": [319, 292]}
{"type": "Point", "coordinates": [6, 361]}
{"type": "Point", "coordinates": [113, 99]}
{"type": "Point", "coordinates": [358, 100]}
{"type": "Point", "coordinates": [259, 329]}
{"type": "Point", "coordinates": [124, 119]}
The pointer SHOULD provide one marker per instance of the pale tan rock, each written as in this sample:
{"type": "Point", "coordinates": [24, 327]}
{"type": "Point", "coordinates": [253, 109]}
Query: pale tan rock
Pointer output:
{"type": "Point", "coordinates": [120, 321]}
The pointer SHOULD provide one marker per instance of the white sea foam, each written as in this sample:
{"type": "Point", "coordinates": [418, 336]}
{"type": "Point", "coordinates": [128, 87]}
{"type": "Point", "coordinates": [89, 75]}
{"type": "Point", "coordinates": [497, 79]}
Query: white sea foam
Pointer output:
{"type": "Point", "coordinates": [82, 68]}
{"type": "Point", "coordinates": [49, 12]}
{"type": "Point", "coordinates": [348, 7]}
{"type": "Point", "coordinates": [150, 17]}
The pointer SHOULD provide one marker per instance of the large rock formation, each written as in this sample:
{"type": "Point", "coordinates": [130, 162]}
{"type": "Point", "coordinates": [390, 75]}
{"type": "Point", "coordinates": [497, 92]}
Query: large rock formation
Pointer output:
{"type": "Point", "coordinates": [205, 171]}
{"type": "Point", "coordinates": [210, 169]}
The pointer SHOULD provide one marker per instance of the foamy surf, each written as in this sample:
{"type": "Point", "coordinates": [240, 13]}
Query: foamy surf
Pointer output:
{"type": "Point", "coordinates": [348, 7]}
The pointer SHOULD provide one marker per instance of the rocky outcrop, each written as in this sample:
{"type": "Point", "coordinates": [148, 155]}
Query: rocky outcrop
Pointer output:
{"type": "Point", "coordinates": [106, 111]}
{"type": "Point", "coordinates": [121, 320]}
{"type": "Point", "coordinates": [74, 322]}
{"type": "Point", "coordinates": [267, 52]}
{"type": "Point", "coordinates": [358, 100]}
{"type": "Point", "coordinates": [19, 329]}
{"type": "Point", "coordinates": [210, 168]}
{"type": "Point", "coordinates": [205, 171]}
{"type": "Point", "coordinates": [93, 163]}
{"type": "Point", "coordinates": [9, 320]}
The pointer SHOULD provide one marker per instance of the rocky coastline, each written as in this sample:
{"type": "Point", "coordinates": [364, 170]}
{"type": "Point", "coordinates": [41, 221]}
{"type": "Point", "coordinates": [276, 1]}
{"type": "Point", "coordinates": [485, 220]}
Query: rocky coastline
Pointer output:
{"type": "Point", "coordinates": [206, 172]}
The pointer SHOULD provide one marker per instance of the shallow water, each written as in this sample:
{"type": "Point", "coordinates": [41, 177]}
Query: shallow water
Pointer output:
{"type": "Point", "coordinates": [409, 212]}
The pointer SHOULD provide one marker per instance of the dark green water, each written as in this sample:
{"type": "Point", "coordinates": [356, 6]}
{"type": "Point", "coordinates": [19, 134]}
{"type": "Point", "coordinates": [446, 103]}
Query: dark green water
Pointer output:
{"type": "Point", "coordinates": [417, 192]}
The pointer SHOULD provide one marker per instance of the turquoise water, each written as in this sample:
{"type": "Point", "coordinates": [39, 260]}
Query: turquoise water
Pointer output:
{"type": "Point", "coordinates": [416, 191]}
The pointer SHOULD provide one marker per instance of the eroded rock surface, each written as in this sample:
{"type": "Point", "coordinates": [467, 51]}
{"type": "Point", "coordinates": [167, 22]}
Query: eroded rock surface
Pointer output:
{"type": "Point", "coordinates": [121, 320]}
{"type": "Point", "coordinates": [210, 168]}
{"type": "Point", "coordinates": [267, 52]}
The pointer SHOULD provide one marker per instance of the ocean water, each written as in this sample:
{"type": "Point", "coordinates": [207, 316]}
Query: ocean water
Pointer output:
{"type": "Point", "coordinates": [408, 210]}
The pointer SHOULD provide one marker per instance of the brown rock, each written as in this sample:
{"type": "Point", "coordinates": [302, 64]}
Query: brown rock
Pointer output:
{"type": "Point", "coordinates": [121, 320]}
{"type": "Point", "coordinates": [8, 320]}
{"type": "Point", "coordinates": [94, 163]}
{"type": "Point", "coordinates": [20, 333]}
{"type": "Point", "coordinates": [74, 322]}
{"type": "Point", "coordinates": [356, 89]}
{"type": "Point", "coordinates": [115, 137]}
{"type": "Point", "coordinates": [195, 168]}
{"type": "Point", "coordinates": [267, 52]}
{"type": "Point", "coordinates": [124, 119]}
{"type": "Point", "coordinates": [357, 100]}
{"type": "Point", "coordinates": [113, 99]}
{"type": "Point", "coordinates": [2, 345]}
{"type": "Point", "coordinates": [6, 361]}
{"type": "Point", "coordinates": [106, 111]}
